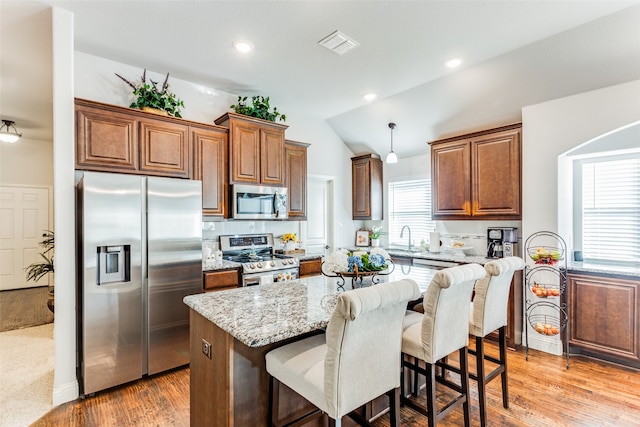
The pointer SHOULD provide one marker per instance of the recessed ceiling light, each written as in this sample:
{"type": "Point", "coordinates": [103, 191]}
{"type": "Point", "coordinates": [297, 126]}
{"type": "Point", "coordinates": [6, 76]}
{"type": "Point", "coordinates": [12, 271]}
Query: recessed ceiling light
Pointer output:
{"type": "Point", "coordinates": [370, 96]}
{"type": "Point", "coordinates": [242, 46]}
{"type": "Point", "coordinates": [453, 62]}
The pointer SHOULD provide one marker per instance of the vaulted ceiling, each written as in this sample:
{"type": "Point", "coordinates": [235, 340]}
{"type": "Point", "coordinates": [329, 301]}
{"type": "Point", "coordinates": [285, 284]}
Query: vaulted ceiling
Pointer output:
{"type": "Point", "coordinates": [515, 53]}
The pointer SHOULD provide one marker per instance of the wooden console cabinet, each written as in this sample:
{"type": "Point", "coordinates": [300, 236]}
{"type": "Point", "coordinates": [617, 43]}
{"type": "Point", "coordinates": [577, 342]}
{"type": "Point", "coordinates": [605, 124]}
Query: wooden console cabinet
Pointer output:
{"type": "Point", "coordinates": [366, 187]}
{"type": "Point", "coordinates": [295, 166]}
{"type": "Point", "coordinates": [478, 175]}
{"type": "Point", "coordinates": [256, 149]}
{"type": "Point", "coordinates": [604, 317]}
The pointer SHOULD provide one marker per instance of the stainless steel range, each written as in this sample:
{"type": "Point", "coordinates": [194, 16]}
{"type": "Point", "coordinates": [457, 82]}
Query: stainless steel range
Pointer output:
{"type": "Point", "coordinates": [260, 264]}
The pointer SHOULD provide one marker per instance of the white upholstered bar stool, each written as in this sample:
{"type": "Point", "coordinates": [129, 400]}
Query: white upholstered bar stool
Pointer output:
{"type": "Point", "coordinates": [488, 314]}
{"type": "Point", "coordinates": [357, 360]}
{"type": "Point", "coordinates": [441, 330]}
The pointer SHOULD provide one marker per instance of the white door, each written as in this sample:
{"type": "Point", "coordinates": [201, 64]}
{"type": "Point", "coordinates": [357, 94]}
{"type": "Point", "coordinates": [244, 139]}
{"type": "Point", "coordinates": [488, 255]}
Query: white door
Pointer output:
{"type": "Point", "coordinates": [24, 217]}
{"type": "Point", "coordinates": [319, 233]}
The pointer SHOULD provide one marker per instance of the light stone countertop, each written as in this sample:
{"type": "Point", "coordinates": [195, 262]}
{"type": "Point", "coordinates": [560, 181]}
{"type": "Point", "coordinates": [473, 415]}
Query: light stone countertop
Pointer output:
{"type": "Point", "coordinates": [265, 314]}
{"type": "Point", "coordinates": [220, 265]}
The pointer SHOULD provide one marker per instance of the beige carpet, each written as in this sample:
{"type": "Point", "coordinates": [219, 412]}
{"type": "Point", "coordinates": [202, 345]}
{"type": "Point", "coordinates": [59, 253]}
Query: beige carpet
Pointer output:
{"type": "Point", "coordinates": [24, 308]}
{"type": "Point", "coordinates": [26, 375]}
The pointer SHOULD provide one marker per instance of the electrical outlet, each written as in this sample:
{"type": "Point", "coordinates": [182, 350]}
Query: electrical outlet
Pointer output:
{"type": "Point", "coordinates": [206, 348]}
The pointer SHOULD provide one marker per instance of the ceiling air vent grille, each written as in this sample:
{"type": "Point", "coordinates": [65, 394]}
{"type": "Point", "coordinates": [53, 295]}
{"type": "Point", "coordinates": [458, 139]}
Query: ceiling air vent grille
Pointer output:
{"type": "Point", "coordinates": [339, 43]}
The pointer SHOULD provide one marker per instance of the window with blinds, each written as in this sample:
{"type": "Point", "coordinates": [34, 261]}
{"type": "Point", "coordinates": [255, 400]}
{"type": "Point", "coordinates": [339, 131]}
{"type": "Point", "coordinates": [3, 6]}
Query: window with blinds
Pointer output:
{"type": "Point", "coordinates": [611, 209]}
{"type": "Point", "coordinates": [410, 204]}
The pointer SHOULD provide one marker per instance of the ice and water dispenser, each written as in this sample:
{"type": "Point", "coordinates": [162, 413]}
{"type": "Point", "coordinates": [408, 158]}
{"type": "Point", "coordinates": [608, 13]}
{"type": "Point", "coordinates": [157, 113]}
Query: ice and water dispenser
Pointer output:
{"type": "Point", "coordinates": [114, 264]}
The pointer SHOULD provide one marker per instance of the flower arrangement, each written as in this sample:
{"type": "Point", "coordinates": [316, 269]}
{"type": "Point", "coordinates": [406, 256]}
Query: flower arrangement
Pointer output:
{"type": "Point", "coordinates": [289, 237]}
{"type": "Point", "coordinates": [149, 95]}
{"type": "Point", "coordinates": [345, 261]}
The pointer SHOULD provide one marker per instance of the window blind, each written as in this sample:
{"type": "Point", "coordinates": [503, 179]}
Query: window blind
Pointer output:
{"type": "Point", "coordinates": [611, 210]}
{"type": "Point", "coordinates": [410, 204]}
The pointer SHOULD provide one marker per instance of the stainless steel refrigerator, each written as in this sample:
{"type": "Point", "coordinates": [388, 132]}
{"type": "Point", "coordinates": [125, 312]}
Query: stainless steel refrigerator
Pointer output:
{"type": "Point", "coordinates": [140, 253]}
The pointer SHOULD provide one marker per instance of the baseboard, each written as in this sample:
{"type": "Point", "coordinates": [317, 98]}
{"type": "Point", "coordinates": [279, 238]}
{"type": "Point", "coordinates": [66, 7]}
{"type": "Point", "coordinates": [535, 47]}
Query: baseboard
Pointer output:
{"type": "Point", "coordinates": [65, 393]}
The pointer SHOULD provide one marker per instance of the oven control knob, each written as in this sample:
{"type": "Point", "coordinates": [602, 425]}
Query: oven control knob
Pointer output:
{"type": "Point", "coordinates": [259, 265]}
{"type": "Point", "coordinates": [273, 263]}
{"type": "Point", "coordinates": [252, 265]}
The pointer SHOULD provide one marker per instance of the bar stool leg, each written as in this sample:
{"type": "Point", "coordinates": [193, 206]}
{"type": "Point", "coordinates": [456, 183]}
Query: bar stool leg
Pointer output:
{"type": "Point", "coordinates": [503, 361]}
{"type": "Point", "coordinates": [431, 394]}
{"type": "Point", "coordinates": [481, 380]}
{"type": "Point", "coordinates": [415, 390]}
{"type": "Point", "coordinates": [464, 382]}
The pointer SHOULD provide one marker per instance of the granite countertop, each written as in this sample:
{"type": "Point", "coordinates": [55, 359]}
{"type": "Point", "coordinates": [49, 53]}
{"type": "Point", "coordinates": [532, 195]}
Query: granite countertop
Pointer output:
{"type": "Point", "coordinates": [220, 265]}
{"type": "Point", "coordinates": [265, 314]}
{"type": "Point", "coordinates": [587, 267]}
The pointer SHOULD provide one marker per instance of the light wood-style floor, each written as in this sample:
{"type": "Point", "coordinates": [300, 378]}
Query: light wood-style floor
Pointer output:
{"type": "Point", "coordinates": [543, 393]}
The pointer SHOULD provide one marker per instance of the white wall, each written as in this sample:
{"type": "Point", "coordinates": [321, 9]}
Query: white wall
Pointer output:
{"type": "Point", "coordinates": [550, 130]}
{"type": "Point", "coordinates": [65, 385]}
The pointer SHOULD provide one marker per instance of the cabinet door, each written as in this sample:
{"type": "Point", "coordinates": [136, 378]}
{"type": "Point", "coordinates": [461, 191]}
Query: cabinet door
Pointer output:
{"type": "Point", "coordinates": [366, 187]}
{"type": "Point", "coordinates": [495, 169]}
{"type": "Point", "coordinates": [210, 166]}
{"type": "Point", "coordinates": [221, 280]}
{"type": "Point", "coordinates": [244, 152]}
{"type": "Point", "coordinates": [310, 267]}
{"type": "Point", "coordinates": [604, 315]}
{"type": "Point", "coordinates": [296, 180]}
{"type": "Point", "coordinates": [164, 148]}
{"type": "Point", "coordinates": [105, 140]}
{"type": "Point", "coordinates": [272, 156]}
{"type": "Point", "coordinates": [451, 180]}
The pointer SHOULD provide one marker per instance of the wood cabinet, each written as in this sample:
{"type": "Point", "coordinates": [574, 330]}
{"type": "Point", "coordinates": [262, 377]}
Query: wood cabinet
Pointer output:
{"type": "Point", "coordinates": [210, 166]}
{"type": "Point", "coordinates": [256, 149]}
{"type": "Point", "coordinates": [366, 187]}
{"type": "Point", "coordinates": [310, 267]}
{"type": "Point", "coordinates": [221, 280]}
{"type": "Point", "coordinates": [604, 317]}
{"type": "Point", "coordinates": [295, 178]}
{"type": "Point", "coordinates": [117, 139]}
{"type": "Point", "coordinates": [478, 175]}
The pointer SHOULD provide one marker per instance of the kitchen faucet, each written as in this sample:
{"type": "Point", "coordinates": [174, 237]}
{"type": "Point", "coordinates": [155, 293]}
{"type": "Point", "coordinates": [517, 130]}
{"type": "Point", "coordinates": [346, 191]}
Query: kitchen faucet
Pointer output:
{"type": "Point", "coordinates": [402, 231]}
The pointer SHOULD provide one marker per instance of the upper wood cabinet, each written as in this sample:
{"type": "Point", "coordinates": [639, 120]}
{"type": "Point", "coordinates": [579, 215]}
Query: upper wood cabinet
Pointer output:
{"type": "Point", "coordinates": [366, 187]}
{"type": "Point", "coordinates": [117, 139]}
{"type": "Point", "coordinates": [295, 177]}
{"type": "Point", "coordinates": [256, 149]}
{"type": "Point", "coordinates": [477, 176]}
{"type": "Point", "coordinates": [210, 166]}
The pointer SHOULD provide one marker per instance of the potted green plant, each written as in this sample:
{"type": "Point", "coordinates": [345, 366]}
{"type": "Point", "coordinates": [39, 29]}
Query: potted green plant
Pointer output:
{"type": "Point", "coordinates": [38, 270]}
{"type": "Point", "coordinates": [149, 96]}
{"type": "Point", "coordinates": [375, 234]}
{"type": "Point", "coordinates": [258, 108]}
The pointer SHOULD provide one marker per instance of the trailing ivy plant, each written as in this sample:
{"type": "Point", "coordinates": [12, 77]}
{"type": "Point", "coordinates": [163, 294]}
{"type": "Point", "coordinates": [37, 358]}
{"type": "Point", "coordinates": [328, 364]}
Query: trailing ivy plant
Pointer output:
{"type": "Point", "coordinates": [149, 95]}
{"type": "Point", "coordinates": [259, 108]}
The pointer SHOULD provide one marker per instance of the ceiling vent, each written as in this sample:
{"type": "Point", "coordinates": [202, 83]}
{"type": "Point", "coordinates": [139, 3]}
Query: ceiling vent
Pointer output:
{"type": "Point", "coordinates": [339, 43]}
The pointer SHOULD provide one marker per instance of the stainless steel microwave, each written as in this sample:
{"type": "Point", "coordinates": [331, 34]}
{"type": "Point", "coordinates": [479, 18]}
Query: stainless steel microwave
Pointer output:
{"type": "Point", "coordinates": [258, 202]}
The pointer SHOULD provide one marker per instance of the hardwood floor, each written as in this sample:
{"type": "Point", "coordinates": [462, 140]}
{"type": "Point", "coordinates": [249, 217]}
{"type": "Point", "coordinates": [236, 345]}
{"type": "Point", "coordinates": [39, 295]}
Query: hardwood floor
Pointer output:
{"type": "Point", "coordinates": [24, 308]}
{"type": "Point", "coordinates": [542, 393]}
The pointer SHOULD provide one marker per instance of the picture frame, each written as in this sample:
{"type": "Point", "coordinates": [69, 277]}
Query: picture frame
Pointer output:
{"type": "Point", "coordinates": [362, 238]}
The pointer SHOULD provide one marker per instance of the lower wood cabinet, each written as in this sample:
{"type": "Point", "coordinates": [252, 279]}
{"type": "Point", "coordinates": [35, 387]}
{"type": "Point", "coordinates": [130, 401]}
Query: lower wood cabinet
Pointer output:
{"type": "Point", "coordinates": [604, 317]}
{"type": "Point", "coordinates": [310, 267]}
{"type": "Point", "coordinates": [221, 279]}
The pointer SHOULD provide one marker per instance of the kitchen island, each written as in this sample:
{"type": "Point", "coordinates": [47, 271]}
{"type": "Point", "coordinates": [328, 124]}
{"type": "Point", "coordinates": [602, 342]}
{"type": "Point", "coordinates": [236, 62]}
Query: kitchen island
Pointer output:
{"type": "Point", "coordinates": [231, 331]}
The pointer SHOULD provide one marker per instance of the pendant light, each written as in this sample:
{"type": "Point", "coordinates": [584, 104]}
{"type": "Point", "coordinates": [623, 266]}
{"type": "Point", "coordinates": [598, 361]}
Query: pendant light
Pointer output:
{"type": "Point", "coordinates": [8, 135]}
{"type": "Point", "coordinates": [391, 157]}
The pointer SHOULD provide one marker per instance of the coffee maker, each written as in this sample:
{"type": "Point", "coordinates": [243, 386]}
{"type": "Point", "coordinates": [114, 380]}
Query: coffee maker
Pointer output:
{"type": "Point", "coordinates": [502, 242]}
